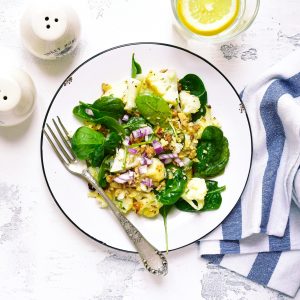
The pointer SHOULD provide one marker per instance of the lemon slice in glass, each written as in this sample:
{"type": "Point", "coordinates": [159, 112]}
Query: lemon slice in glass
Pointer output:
{"type": "Point", "coordinates": [207, 17]}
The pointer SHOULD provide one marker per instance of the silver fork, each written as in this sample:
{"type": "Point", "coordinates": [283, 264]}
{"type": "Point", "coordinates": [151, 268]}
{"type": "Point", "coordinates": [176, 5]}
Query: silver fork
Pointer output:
{"type": "Point", "coordinates": [154, 261]}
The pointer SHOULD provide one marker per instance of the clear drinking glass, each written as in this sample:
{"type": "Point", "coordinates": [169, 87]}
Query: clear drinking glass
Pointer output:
{"type": "Point", "coordinates": [247, 12]}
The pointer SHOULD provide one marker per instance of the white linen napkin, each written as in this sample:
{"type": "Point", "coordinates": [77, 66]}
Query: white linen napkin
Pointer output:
{"type": "Point", "coordinates": [260, 239]}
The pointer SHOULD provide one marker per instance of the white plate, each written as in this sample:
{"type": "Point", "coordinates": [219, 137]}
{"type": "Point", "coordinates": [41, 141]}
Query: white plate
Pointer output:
{"type": "Point", "coordinates": [84, 84]}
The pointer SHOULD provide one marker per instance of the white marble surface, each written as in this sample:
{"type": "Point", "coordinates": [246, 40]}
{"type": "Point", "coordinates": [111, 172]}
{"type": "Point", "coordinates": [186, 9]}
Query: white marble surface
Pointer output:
{"type": "Point", "coordinates": [42, 255]}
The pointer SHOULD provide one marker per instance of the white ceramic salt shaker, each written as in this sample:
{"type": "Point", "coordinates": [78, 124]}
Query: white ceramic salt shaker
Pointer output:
{"type": "Point", "coordinates": [50, 29]}
{"type": "Point", "coordinates": [17, 96]}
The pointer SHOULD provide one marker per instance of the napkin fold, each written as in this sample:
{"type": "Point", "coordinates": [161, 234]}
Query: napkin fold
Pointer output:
{"type": "Point", "coordinates": [260, 239]}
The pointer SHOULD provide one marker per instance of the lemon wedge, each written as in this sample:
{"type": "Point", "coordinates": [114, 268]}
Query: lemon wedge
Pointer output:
{"type": "Point", "coordinates": [208, 17]}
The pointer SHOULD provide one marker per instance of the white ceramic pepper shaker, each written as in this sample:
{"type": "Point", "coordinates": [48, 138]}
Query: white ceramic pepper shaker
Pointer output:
{"type": "Point", "coordinates": [50, 29]}
{"type": "Point", "coordinates": [17, 96]}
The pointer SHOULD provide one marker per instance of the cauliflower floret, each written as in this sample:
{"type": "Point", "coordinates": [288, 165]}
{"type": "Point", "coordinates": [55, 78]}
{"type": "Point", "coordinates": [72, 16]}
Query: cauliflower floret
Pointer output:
{"type": "Point", "coordinates": [117, 89]}
{"type": "Point", "coordinates": [119, 163]}
{"type": "Point", "coordinates": [190, 104]}
{"type": "Point", "coordinates": [164, 83]}
{"type": "Point", "coordinates": [126, 90]}
{"type": "Point", "coordinates": [132, 91]}
{"type": "Point", "coordinates": [147, 205]}
{"type": "Point", "coordinates": [125, 205]}
{"type": "Point", "coordinates": [156, 171]}
{"type": "Point", "coordinates": [195, 191]}
{"type": "Point", "coordinates": [140, 77]}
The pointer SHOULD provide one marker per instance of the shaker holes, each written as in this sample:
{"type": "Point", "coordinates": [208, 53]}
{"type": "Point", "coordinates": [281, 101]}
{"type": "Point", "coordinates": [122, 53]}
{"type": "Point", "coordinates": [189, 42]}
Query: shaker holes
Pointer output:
{"type": "Point", "coordinates": [47, 19]}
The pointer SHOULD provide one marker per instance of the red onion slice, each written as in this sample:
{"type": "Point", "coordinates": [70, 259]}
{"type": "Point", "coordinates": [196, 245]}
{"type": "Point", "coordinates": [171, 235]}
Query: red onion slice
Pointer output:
{"type": "Point", "coordinates": [157, 147]}
{"type": "Point", "coordinates": [167, 155]}
{"type": "Point", "coordinates": [132, 151]}
{"type": "Point", "coordinates": [126, 141]}
{"type": "Point", "coordinates": [125, 177]}
{"type": "Point", "coordinates": [125, 118]}
{"type": "Point", "coordinates": [146, 161]}
{"type": "Point", "coordinates": [89, 112]}
{"type": "Point", "coordinates": [147, 182]}
{"type": "Point", "coordinates": [141, 132]}
{"type": "Point", "coordinates": [143, 169]}
{"type": "Point", "coordinates": [179, 162]}
{"type": "Point", "coordinates": [167, 161]}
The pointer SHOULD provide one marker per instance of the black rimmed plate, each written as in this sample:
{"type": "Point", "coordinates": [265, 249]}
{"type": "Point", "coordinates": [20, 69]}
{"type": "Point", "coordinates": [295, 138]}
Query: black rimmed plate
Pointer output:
{"type": "Point", "coordinates": [84, 84]}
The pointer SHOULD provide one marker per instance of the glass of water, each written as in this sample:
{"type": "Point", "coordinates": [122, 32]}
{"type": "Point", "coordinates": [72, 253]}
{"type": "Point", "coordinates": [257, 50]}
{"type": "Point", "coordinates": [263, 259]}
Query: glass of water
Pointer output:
{"type": "Point", "coordinates": [214, 20]}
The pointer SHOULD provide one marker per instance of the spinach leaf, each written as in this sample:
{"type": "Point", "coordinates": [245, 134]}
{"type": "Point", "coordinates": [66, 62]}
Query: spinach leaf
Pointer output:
{"type": "Point", "coordinates": [87, 112]}
{"type": "Point", "coordinates": [112, 142]}
{"type": "Point", "coordinates": [98, 117]}
{"type": "Point", "coordinates": [175, 185]}
{"type": "Point", "coordinates": [212, 200]}
{"type": "Point", "coordinates": [103, 107]}
{"type": "Point", "coordinates": [104, 167]}
{"type": "Point", "coordinates": [195, 86]}
{"type": "Point", "coordinates": [216, 168]}
{"type": "Point", "coordinates": [96, 158]}
{"type": "Point", "coordinates": [91, 145]}
{"type": "Point", "coordinates": [210, 145]}
{"type": "Point", "coordinates": [153, 108]}
{"type": "Point", "coordinates": [135, 123]}
{"type": "Point", "coordinates": [212, 153]}
{"type": "Point", "coordinates": [112, 124]}
{"type": "Point", "coordinates": [113, 107]}
{"type": "Point", "coordinates": [135, 67]}
{"type": "Point", "coordinates": [184, 206]}
{"type": "Point", "coordinates": [88, 144]}
{"type": "Point", "coordinates": [164, 211]}
{"type": "Point", "coordinates": [192, 82]}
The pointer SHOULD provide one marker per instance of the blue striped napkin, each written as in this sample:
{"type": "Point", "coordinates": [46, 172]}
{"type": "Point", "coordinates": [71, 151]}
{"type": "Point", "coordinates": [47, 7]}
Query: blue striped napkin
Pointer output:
{"type": "Point", "coordinates": [260, 239]}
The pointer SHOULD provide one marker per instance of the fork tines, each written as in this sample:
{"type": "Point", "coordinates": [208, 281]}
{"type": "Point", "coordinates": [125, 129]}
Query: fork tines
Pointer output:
{"type": "Point", "coordinates": [64, 153]}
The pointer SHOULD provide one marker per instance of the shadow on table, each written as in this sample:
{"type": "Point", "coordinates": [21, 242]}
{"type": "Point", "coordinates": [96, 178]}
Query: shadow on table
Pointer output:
{"type": "Point", "coordinates": [57, 66]}
{"type": "Point", "coordinates": [15, 132]}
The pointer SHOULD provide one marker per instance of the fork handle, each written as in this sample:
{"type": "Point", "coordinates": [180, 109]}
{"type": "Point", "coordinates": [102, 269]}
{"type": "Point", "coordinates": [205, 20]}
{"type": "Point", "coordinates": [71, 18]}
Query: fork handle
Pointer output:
{"type": "Point", "coordinates": [154, 261]}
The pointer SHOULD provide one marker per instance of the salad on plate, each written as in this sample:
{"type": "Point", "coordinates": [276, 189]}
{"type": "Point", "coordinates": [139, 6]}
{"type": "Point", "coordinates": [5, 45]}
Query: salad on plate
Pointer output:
{"type": "Point", "coordinates": [153, 144]}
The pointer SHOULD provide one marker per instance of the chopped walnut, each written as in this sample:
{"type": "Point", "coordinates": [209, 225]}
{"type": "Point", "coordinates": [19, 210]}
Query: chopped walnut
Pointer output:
{"type": "Point", "coordinates": [183, 119]}
{"type": "Point", "coordinates": [174, 113]}
{"type": "Point", "coordinates": [161, 186]}
{"type": "Point", "coordinates": [168, 137]}
{"type": "Point", "coordinates": [143, 148]}
{"type": "Point", "coordinates": [179, 87]}
{"type": "Point", "coordinates": [103, 130]}
{"type": "Point", "coordinates": [150, 151]}
{"type": "Point", "coordinates": [192, 154]}
{"type": "Point", "coordinates": [159, 131]}
{"type": "Point", "coordinates": [167, 147]}
{"type": "Point", "coordinates": [136, 113]}
{"type": "Point", "coordinates": [196, 127]}
{"type": "Point", "coordinates": [136, 206]}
